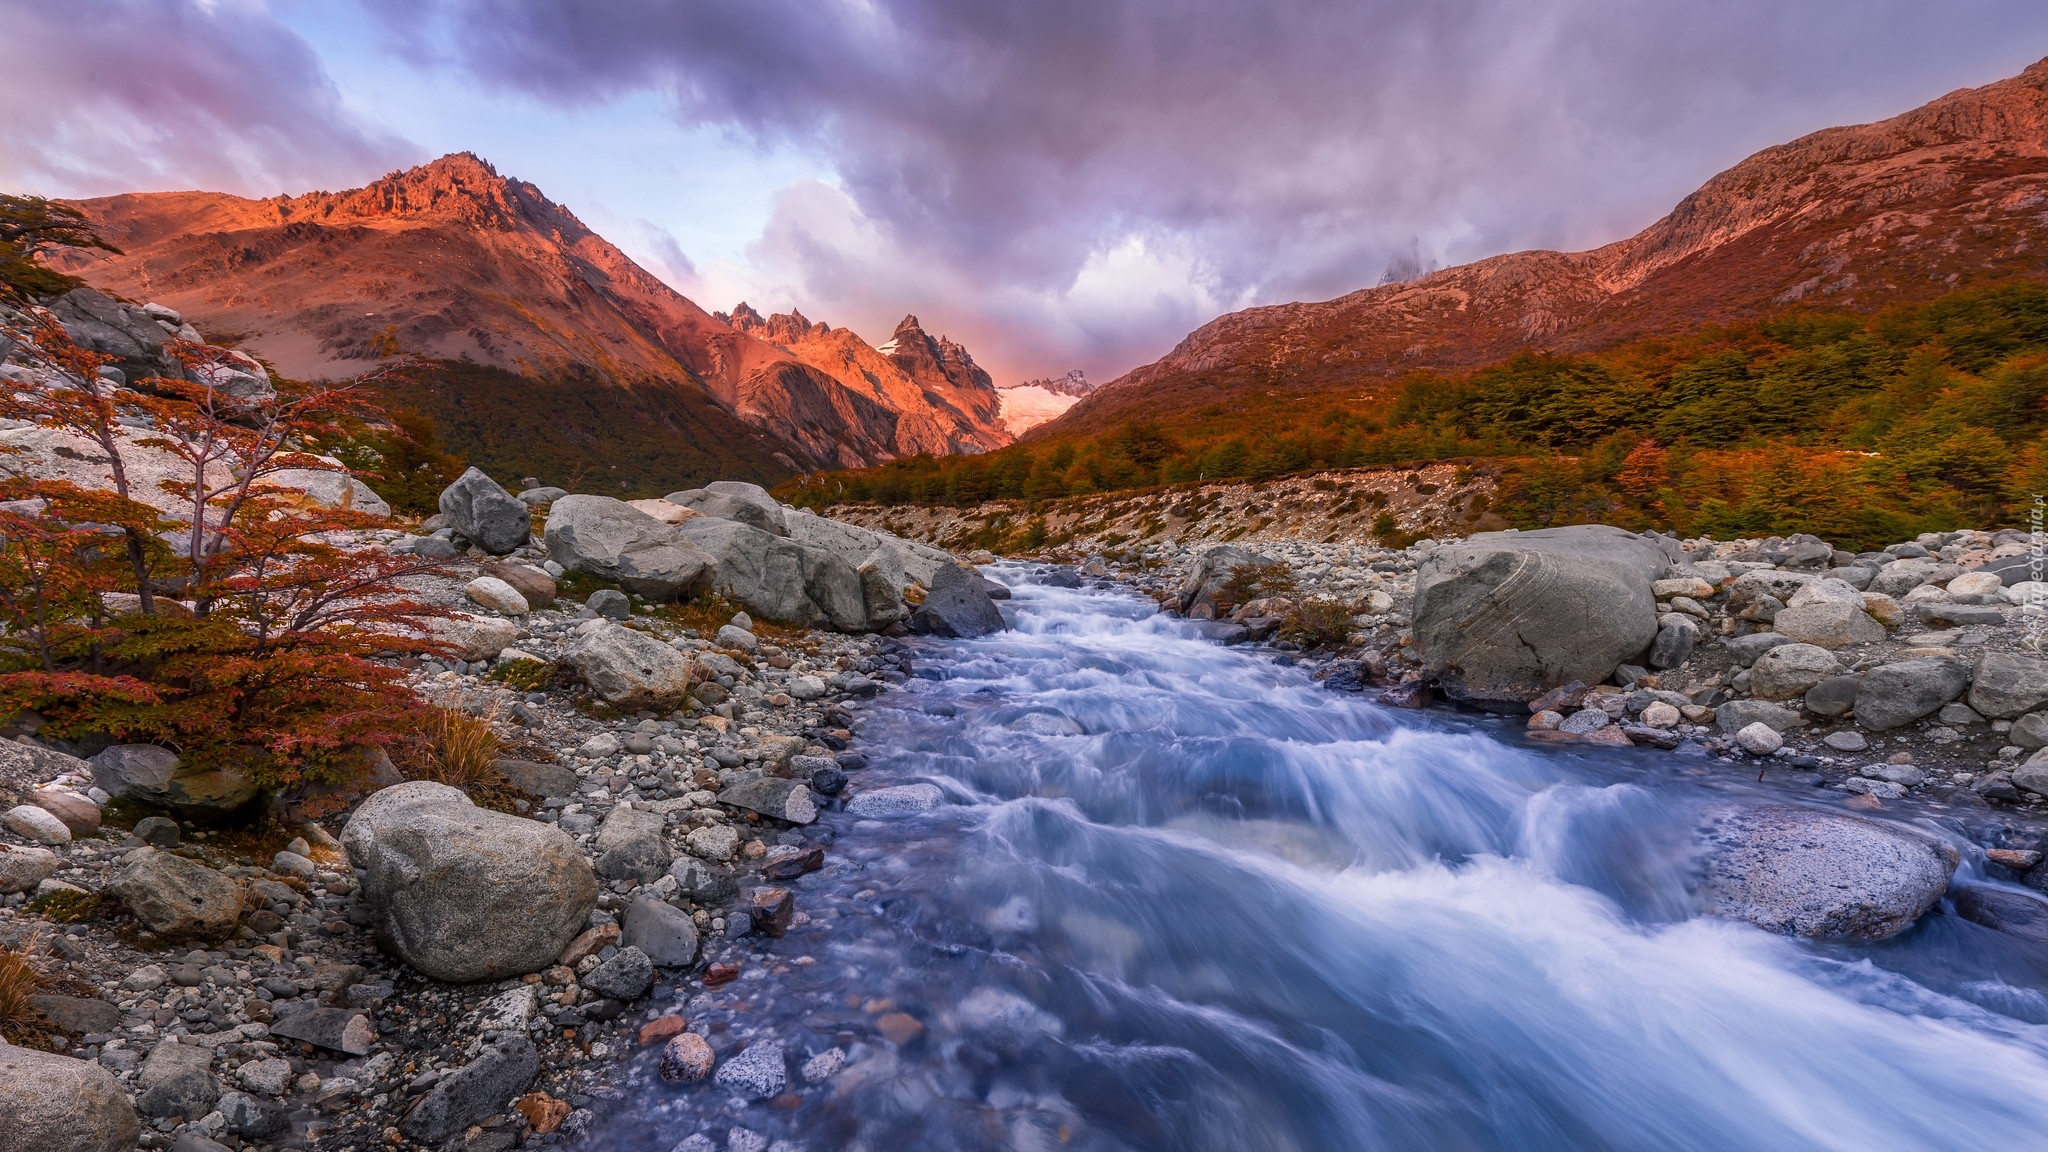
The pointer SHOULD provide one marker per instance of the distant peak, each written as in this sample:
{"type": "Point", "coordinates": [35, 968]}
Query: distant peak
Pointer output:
{"type": "Point", "coordinates": [459, 186]}
{"type": "Point", "coordinates": [1074, 383]}
{"type": "Point", "coordinates": [781, 328]}
{"type": "Point", "coordinates": [908, 324]}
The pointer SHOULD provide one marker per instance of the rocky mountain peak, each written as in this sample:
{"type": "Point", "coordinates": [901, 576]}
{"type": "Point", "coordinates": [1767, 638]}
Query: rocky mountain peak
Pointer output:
{"type": "Point", "coordinates": [782, 328]}
{"type": "Point", "coordinates": [1074, 383]}
{"type": "Point", "coordinates": [461, 187]}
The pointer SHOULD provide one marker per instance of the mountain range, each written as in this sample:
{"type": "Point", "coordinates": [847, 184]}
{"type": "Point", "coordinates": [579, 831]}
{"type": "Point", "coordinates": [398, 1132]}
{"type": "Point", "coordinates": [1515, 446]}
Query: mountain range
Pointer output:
{"type": "Point", "coordinates": [1951, 194]}
{"type": "Point", "coordinates": [512, 302]}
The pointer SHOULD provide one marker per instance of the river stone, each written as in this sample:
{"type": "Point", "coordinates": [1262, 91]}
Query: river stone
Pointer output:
{"type": "Point", "coordinates": [629, 846]}
{"type": "Point", "coordinates": [140, 770]}
{"type": "Point", "coordinates": [78, 813]}
{"type": "Point", "coordinates": [1506, 616]}
{"type": "Point", "coordinates": [738, 501]}
{"type": "Point", "coordinates": [177, 1080]}
{"type": "Point", "coordinates": [1677, 635]}
{"type": "Point", "coordinates": [485, 514]}
{"type": "Point", "coordinates": [1901, 576]}
{"type": "Point", "coordinates": [482, 1088]}
{"type": "Point", "coordinates": [1788, 671]}
{"type": "Point", "coordinates": [705, 883]}
{"type": "Point", "coordinates": [176, 898]}
{"type": "Point", "coordinates": [33, 823]}
{"type": "Point", "coordinates": [1825, 621]}
{"type": "Point", "coordinates": [22, 868]}
{"type": "Point", "coordinates": [626, 976]}
{"type": "Point", "coordinates": [2033, 775]}
{"type": "Point", "coordinates": [336, 1029]}
{"type": "Point", "coordinates": [464, 893]}
{"type": "Point", "coordinates": [713, 842]}
{"type": "Point", "coordinates": [2028, 732]}
{"type": "Point", "coordinates": [1585, 720]}
{"type": "Point", "coordinates": [773, 796]}
{"type": "Point", "coordinates": [2006, 685]}
{"type": "Point", "coordinates": [757, 1073]}
{"type": "Point", "coordinates": [496, 595]}
{"type": "Point", "coordinates": [534, 586]}
{"type": "Point", "coordinates": [900, 800]}
{"type": "Point", "coordinates": [628, 668]}
{"type": "Point", "coordinates": [1833, 697]}
{"type": "Point", "coordinates": [614, 541]}
{"type": "Point", "coordinates": [269, 1077]}
{"type": "Point", "coordinates": [252, 1118]}
{"type": "Point", "coordinates": [1893, 695]}
{"type": "Point", "coordinates": [1847, 740]}
{"type": "Point", "coordinates": [1744, 650]}
{"type": "Point", "coordinates": [1759, 739]}
{"type": "Point", "coordinates": [1736, 715]}
{"type": "Point", "coordinates": [536, 779]}
{"type": "Point", "coordinates": [1802, 872]}
{"type": "Point", "coordinates": [957, 605]}
{"type": "Point", "coordinates": [665, 933]}
{"type": "Point", "coordinates": [686, 1059]}
{"type": "Point", "coordinates": [1212, 571]}
{"type": "Point", "coordinates": [52, 1103]}
{"type": "Point", "coordinates": [472, 637]}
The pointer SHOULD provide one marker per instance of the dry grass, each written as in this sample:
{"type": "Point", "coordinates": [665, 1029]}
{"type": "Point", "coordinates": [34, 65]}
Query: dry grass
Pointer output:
{"type": "Point", "coordinates": [21, 974]}
{"type": "Point", "coordinates": [460, 748]}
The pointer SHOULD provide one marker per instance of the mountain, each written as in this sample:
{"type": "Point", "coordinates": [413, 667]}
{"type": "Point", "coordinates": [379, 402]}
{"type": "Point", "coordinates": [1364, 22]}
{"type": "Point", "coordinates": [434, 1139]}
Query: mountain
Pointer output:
{"type": "Point", "coordinates": [1951, 194]}
{"type": "Point", "coordinates": [1027, 405]}
{"type": "Point", "coordinates": [499, 285]}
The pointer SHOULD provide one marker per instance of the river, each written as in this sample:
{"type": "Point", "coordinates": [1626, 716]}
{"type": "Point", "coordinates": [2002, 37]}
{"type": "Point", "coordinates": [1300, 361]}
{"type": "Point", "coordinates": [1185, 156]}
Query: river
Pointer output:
{"type": "Point", "coordinates": [1181, 898]}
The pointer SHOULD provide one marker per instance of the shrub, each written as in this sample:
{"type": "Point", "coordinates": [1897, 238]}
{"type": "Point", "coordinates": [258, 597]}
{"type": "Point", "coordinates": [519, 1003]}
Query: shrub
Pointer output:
{"type": "Point", "coordinates": [241, 628]}
{"type": "Point", "coordinates": [1317, 623]}
{"type": "Point", "coordinates": [1251, 582]}
{"type": "Point", "coordinates": [21, 974]}
{"type": "Point", "coordinates": [462, 748]}
{"type": "Point", "coordinates": [524, 675]}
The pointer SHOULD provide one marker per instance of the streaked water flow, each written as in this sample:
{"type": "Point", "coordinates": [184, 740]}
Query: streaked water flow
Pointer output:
{"type": "Point", "coordinates": [1183, 899]}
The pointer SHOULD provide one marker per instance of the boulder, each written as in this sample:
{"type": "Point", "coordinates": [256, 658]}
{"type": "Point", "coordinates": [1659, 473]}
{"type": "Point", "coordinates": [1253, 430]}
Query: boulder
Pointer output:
{"type": "Point", "coordinates": [957, 606]}
{"type": "Point", "coordinates": [1744, 650]}
{"type": "Point", "coordinates": [472, 637]}
{"type": "Point", "coordinates": [1834, 696]}
{"type": "Point", "coordinates": [1759, 739]}
{"type": "Point", "coordinates": [329, 489]}
{"type": "Point", "coordinates": [1802, 872]}
{"type": "Point", "coordinates": [23, 766]}
{"type": "Point", "coordinates": [629, 846]}
{"type": "Point", "coordinates": [482, 1088]}
{"type": "Point", "coordinates": [776, 578]}
{"type": "Point", "coordinates": [99, 323]}
{"type": "Point", "coordinates": [2005, 685]}
{"type": "Point", "coordinates": [52, 1103]}
{"type": "Point", "coordinates": [1789, 670]}
{"type": "Point", "coordinates": [22, 868]}
{"type": "Point", "coordinates": [79, 814]}
{"type": "Point", "coordinates": [627, 668]}
{"type": "Point", "coordinates": [1893, 695]}
{"type": "Point", "coordinates": [2033, 775]}
{"type": "Point", "coordinates": [463, 893]}
{"type": "Point", "coordinates": [485, 514]}
{"type": "Point", "coordinates": [772, 796]}
{"type": "Point", "coordinates": [735, 501]}
{"type": "Point", "coordinates": [897, 800]}
{"type": "Point", "coordinates": [535, 497]}
{"type": "Point", "coordinates": [1827, 614]}
{"type": "Point", "coordinates": [1901, 576]}
{"type": "Point", "coordinates": [534, 586]}
{"type": "Point", "coordinates": [177, 1080]}
{"type": "Point", "coordinates": [32, 823]}
{"type": "Point", "coordinates": [157, 776]}
{"type": "Point", "coordinates": [757, 1073]}
{"type": "Point", "coordinates": [1212, 572]}
{"type": "Point", "coordinates": [665, 933]}
{"type": "Point", "coordinates": [498, 596]}
{"type": "Point", "coordinates": [1677, 635]}
{"type": "Point", "coordinates": [614, 541]}
{"type": "Point", "coordinates": [1506, 616]}
{"type": "Point", "coordinates": [1735, 715]}
{"type": "Point", "coordinates": [176, 898]}
{"type": "Point", "coordinates": [2028, 732]}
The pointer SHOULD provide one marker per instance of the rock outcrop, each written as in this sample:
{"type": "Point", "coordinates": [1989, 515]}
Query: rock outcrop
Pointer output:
{"type": "Point", "coordinates": [614, 541]}
{"type": "Point", "coordinates": [1504, 617]}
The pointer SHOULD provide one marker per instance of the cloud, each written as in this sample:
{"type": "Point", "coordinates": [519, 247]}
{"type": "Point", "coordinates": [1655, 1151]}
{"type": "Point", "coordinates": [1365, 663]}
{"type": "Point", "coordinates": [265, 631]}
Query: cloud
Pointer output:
{"type": "Point", "coordinates": [102, 96]}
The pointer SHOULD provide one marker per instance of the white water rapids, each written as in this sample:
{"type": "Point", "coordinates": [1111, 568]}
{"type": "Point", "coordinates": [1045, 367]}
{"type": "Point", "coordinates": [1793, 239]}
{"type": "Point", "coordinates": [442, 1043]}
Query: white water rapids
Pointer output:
{"type": "Point", "coordinates": [1181, 898]}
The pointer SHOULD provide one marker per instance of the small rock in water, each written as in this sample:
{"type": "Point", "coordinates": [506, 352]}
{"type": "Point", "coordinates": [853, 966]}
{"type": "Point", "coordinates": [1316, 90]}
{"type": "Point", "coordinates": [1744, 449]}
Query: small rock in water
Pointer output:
{"type": "Point", "coordinates": [900, 800]}
{"type": "Point", "coordinates": [1759, 739]}
{"type": "Point", "coordinates": [824, 1066]}
{"type": "Point", "coordinates": [721, 973]}
{"type": "Point", "coordinates": [1584, 721]}
{"type": "Point", "coordinates": [1545, 721]}
{"type": "Point", "coordinates": [662, 1028]}
{"type": "Point", "coordinates": [772, 910]}
{"type": "Point", "coordinates": [756, 1073]}
{"type": "Point", "coordinates": [745, 1140]}
{"type": "Point", "coordinates": [686, 1058]}
{"type": "Point", "coordinates": [786, 862]}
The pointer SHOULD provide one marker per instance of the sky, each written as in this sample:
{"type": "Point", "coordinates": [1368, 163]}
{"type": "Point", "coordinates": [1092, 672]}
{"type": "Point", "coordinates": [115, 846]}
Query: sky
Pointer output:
{"type": "Point", "coordinates": [1057, 184]}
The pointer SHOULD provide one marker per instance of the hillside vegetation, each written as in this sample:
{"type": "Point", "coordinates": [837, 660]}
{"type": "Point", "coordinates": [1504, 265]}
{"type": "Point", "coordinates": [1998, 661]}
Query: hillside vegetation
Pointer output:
{"type": "Point", "coordinates": [1861, 428]}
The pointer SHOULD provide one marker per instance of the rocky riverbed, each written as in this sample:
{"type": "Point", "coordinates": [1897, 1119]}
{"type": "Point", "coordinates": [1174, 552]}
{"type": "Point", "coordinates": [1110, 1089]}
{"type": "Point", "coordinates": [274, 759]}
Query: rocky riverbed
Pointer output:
{"type": "Point", "coordinates": [420, 967]}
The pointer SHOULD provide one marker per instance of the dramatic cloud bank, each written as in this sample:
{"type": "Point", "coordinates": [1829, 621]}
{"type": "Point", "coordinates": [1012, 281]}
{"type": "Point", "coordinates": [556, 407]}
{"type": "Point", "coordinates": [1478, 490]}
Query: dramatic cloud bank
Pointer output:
{"type": "Point", "coordinates": [103, 96]}
{"type": "Point", "coordinates": [1059, 183]}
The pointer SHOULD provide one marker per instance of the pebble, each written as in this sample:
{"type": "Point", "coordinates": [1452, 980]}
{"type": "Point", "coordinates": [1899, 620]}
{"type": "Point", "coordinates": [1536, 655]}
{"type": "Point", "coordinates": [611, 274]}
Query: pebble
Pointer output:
{"type": "Point", "coordinates": [757, 1072]}
{"type": "Point", "coordinates": [687, 1058]}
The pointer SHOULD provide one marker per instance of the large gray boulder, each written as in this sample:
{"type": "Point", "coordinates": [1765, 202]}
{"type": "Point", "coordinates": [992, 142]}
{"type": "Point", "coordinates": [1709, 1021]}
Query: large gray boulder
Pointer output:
{"type": "Point", "coordinates": [627, 667]}
{"type": "Point", "coordinates": [102, 324]}
{"type": "Point", "coordinates": [1213, 569]}
{"type": "Point", "coordinates": [612, 540]}
{"type": "Point", "coordinates": [176, 898]}
{"type": "Point", "coordinates": [1896, 694]}
{"type": "Point", "coordinates": [1802, 872]}
{"type": "Point", "coordinates": [1827, 614]}
{"type": "Point", "coordinates": [22, 867]}
{"type": "Point", "coordinates": [23, 766]}
{"type": "Point", "coordinates": [487, 515]}
{"type": "Point", "coordinates": [482, 1088]}
{"type": "Point", "coordinates": [629, 846]}
{"type": "Point", "coordinates": [664, 932]}
{"type": "Point", "coordinates": [2005, 685]}
{"type": "Point", "coordinates": [737, 501]}
{"type": "Point", "coordinates": [1506, 616]}
{"type": "Point", "coordinates": [957, 605]}
{"type": "Point", "coordinates": [778, 579]}
{"type": "Point", "coordinates": [52, 1103]}
{"type": "Point", "coordinates": [464, 893]}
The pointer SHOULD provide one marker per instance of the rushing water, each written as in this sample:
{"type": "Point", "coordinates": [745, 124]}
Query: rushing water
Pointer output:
{"type": "Point", "coordinates": [1183, 899]}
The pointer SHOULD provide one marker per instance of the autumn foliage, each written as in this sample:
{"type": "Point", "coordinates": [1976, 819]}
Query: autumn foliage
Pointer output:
{"type": "Point", "coordinates": [220, 614]}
